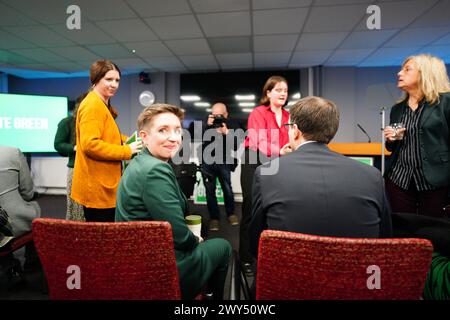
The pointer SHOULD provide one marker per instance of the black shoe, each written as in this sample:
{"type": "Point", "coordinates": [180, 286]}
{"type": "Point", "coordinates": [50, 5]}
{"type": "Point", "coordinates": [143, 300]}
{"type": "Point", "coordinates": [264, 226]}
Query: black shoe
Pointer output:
{"type": "Point", "coordinates": [31, 265]}
{"type": "Point", "coordinates": [247, 268]}
{"type": "Point", "coordinates": [15, 280]}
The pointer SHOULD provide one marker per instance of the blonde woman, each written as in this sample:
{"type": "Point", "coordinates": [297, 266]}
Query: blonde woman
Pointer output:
{"type": "Point", "coordinates": [417, 180]}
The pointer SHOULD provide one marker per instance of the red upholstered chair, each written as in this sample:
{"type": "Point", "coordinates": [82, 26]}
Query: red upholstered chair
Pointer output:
{"type": "Point", "coordinates": [299, 266]}
{"type": "Point", "coordinates": [122, 260]}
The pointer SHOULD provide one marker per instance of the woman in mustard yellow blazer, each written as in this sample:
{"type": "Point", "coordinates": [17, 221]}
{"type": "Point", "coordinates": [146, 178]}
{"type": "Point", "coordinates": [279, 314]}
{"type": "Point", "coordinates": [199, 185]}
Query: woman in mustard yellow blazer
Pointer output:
{"type": "Point", "coordinates": [98, 165]}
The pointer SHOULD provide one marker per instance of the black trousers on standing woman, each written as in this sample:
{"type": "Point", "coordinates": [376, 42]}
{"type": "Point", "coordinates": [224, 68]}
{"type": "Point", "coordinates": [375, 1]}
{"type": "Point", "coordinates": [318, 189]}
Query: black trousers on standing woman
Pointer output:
{"type": "Point", "coordinates": [249, 164]}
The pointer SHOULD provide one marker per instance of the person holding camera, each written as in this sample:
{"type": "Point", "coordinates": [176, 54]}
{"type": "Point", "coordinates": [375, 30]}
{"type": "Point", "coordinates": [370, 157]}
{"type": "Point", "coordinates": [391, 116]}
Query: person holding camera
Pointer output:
{"type": "Point", "coordinates": [219, 141]}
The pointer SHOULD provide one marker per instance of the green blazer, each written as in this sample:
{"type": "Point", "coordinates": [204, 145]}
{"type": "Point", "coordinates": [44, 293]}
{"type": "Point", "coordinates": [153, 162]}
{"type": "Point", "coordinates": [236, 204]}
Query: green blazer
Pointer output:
{"type": "Point", "coordinates": [434, 140]}
{"type": "Point", "coordinates": [63, 137]}
{"type": "Point", "coordinates": [148, 190]}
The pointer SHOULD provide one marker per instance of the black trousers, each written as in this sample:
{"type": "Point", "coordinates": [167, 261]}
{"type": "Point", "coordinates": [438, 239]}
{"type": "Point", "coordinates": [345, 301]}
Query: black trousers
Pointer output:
{"type": "Point", "coordinates": [427, 203]}
{"type": "Point", "coordinates": [99, 215]}
{"type": "Point", "coordinates": [248, 168]}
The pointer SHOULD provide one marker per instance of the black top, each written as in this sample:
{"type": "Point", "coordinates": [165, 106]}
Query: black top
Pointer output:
{"type": "Point", "coordinates": [409, 164]}
{"type": "Point", "coordinates": [218, 148]}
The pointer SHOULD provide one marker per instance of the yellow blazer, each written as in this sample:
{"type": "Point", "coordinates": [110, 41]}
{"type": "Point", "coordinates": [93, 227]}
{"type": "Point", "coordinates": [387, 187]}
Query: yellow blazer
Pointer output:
{"type": "Point", "coordinates": [98, 167]}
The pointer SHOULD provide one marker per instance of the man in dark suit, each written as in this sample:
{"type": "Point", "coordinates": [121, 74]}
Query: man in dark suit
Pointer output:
{"type": "Point", "coordinates": [315, 190]}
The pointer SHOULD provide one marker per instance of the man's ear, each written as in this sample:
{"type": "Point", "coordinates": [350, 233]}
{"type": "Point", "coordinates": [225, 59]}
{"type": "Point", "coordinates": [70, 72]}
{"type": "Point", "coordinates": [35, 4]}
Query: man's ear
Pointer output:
{"type": "Point", "coordinates": [297, 132]}
{"type": "Point", "coordinates": [142, 134]}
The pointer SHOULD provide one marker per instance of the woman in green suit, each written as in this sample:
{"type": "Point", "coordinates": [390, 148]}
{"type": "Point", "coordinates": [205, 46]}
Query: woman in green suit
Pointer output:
{"type": "Point", "coordinates": [149, 190]}
{"type": "Point", "coordinates": [417, 180]}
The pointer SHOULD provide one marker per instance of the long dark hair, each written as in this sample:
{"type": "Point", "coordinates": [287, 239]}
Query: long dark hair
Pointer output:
{"type": "Point", "coordinates": [97, 71]}
{"type": "Point", "coordinates": [270, 83]}
{"type": "Point", "coordinates": [74, 115]}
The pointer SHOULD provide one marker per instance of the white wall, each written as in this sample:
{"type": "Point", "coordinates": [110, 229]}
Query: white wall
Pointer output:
{"type": "Point", "coordinates": [359, 93]}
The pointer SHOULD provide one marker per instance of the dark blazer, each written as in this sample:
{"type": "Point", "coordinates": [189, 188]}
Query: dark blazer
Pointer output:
{"type": "Point", "coordinates": [320, 192]}
{"type": "Point", "coordinates": [434, 140]}
{"type": "Point", "coordinates": [149, 190]}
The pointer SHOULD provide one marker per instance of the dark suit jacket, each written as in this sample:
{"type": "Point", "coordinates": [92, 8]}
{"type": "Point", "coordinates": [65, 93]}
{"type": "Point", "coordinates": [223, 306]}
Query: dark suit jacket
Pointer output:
{"type": "Point", "coordinates": [434, 140]}
{"type": "Point", "coordinates": [317, 191]}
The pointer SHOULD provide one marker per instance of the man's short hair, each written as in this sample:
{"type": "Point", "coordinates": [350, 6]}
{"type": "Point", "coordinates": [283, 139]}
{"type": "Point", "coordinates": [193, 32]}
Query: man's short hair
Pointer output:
{"type": "Point", "coordinates": [317, 118]}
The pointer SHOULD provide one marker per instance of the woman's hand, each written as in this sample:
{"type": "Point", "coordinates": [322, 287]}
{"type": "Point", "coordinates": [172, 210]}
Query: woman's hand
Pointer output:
{"type": "Point", "coordinates": [389, 134]}
{"type": "Point", "coordinates": [136, 146]}
{"type": "Point", "coordinates": [286, 149]}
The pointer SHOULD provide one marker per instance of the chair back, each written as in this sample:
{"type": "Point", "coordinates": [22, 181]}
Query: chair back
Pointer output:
{"type": "Point", "coordinates": [107, 260]}
{"type": "Point", "coordinates": [299, 266]}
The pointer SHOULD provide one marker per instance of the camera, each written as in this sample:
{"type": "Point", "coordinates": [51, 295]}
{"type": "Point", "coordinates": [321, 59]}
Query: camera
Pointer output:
{"type": "Point", "coordinates": [218, 121]}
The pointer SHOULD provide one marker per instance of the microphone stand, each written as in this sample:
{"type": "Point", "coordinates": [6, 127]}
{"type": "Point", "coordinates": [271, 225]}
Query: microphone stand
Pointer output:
{"type": "Point", "coordinates": [383, 142]}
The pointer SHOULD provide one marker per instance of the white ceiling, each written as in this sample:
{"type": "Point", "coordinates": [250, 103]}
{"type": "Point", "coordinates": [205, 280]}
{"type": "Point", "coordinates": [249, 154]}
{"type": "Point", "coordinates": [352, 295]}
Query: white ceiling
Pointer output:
{"type": "Point", "coordinates": [213, 35]}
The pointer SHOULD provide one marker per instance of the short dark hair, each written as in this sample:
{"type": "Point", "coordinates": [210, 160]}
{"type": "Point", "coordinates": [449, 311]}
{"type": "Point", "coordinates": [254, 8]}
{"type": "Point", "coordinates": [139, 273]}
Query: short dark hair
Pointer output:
{"type": "Point", "coordinates": [150, 112]}
{"type": "Point", "coordinates": [99, 68]}
{"type": "Point", "coordinates": [270, 83]}
{"type": "Point", "coordinates": [317, 118]}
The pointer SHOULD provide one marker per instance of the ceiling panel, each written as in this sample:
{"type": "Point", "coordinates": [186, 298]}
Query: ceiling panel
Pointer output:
{"type": "Point", "coordinates": [346, 56]}
{"type": "Point", "coordinates": [275, 43]}
{"type": "Point", "coordinates": [164, 62]}
{"type": "Point", "coordinates": [272, 59]}
{"type": "Point", "coordinates": [110, 51]}
{"type": "Point", "coordinates": [200, 6]}
{"type": "Point", "coordinates": [149, 49]}
{"type": "Point", "coordinates": [270, 4]}
{"type": "Point", "coordinates": [175, 27]}
{"type": "Point", "coordinates": [443, 40]}
{"type": "Point", "coordinates": [388, 56]}
{"type": "Point", "coordinates": [155, 8]}
{"type": "Point", "coordinates": [419, 36]}
{"type": "Point", "coordinates": [367, 39]}
{"type": "Point", "coordinates": [127, 30]}
{"type": "Point", "coordinates": [199, 62]}
{"type": "Point", "coordinates": [225, 24]}
{"type": "Point", "coordinates": [335, 2]}
{"type": "Point", "coordinates": [88, 34]}
{"type": "Point", "coordinates": [40, 55]}
{"type": "Point", "coordinates": [66, 66]}
{"type": "Point", "coordinates": [320, 41]}
{"type": "Point", "coordinates": [7, 57]}
{"type": "Point", "coordinates": [189, 47]}
{"type": "Point", "coordinates": [42, 11]}
{"type": "Point", "coordinates": [10, 41]}
{"type": "Point", "coordinates": [39, 35]}
{"type": "Point", "coordinates": [311, 57]}
{"type": "Point", "coordinates": [399, 14]}
{"type": "Point", "coordinates": [12, 17]}
{"type": "Point", "coordinates": [230, 44]}
{"type": "Point", "coordinates": [334, 18]}
{"type": "Point", "coordinates": [105, 9]}
{"type": "Point", "coordinates": [74, 53]}
{"type": "Point", "coordinates": [235, 59]}
{"type": "Point", "coordinates": [288, 21]}
{"type": "Point", "coordinates": [437, 16]}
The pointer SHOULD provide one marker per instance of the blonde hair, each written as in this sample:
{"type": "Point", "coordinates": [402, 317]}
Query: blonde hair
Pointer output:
{"type": "Point", "coordinates": [433, 77]}
{"type": "Point", "coordinates": [147, 115]}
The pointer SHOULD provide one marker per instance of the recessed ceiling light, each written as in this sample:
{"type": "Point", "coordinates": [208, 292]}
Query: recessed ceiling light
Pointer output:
{"type": "Point", "coordinates": [202, 104]}
{"type": "Point", "coordinates": [244, 97]}
{"type": "Point", "coordinates": [190, 98]}
{"type": "Point", "coordinates": [246, 104]}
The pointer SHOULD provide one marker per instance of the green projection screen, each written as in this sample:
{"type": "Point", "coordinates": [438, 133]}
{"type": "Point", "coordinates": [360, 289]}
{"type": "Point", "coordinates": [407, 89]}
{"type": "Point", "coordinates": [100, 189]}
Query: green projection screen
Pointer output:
{"type": "Point", "coordinates": [29, 122]}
